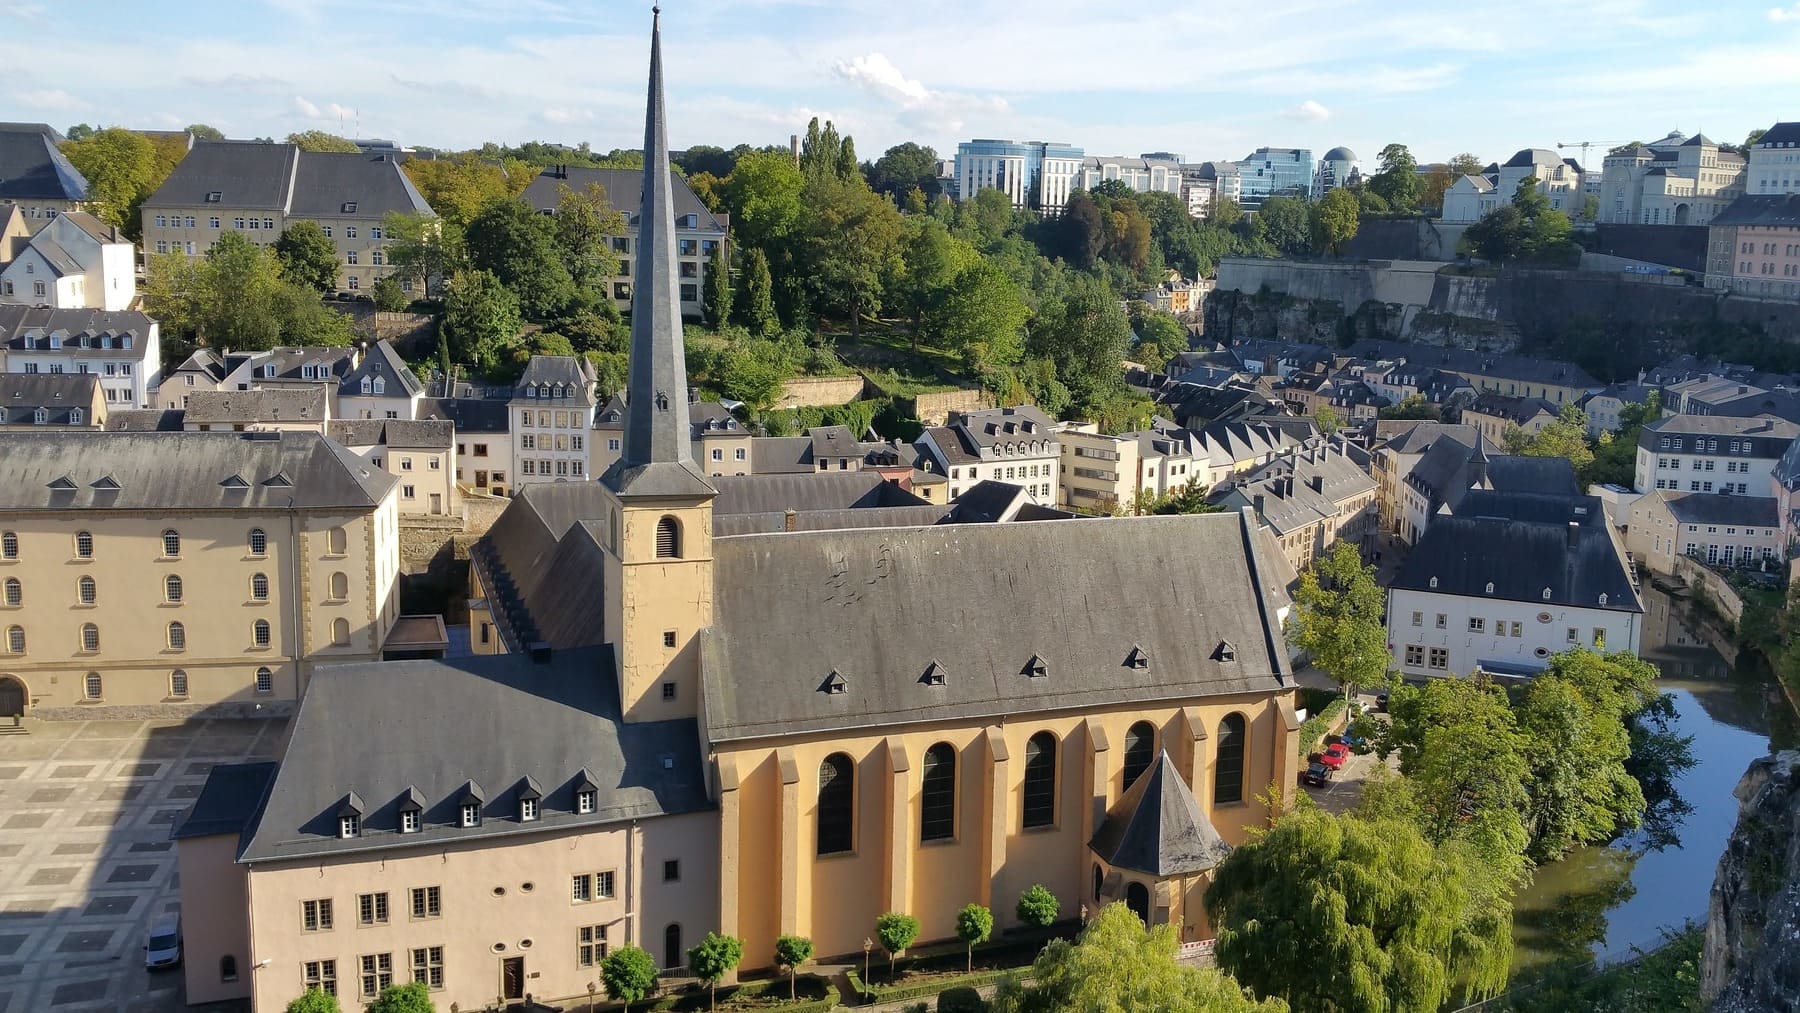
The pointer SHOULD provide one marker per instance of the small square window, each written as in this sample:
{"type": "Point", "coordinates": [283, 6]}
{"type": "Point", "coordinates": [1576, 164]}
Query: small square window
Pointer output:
{"type": "Point", "coordinates": [672, 870]}
{"type": "Point", "coordinates": [668, 638]}
{"type": "Point", "coordinates": [668, 691]}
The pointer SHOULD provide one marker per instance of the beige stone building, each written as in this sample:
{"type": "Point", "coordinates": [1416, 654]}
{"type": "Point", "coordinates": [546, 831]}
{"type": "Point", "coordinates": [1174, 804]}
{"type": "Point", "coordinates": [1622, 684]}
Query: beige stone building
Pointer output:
{"type": "Point", "coordinates": [1310, 499]}
{"type": "Point", "coordinates": [420, 455]}
{"type": "Point", "coordinates": [1717, 530]}
{"type": "Point", "coordinates": [1496, 415]}
{"type": "Point", "coordinates": [186, 573]}
{"type": "Point", "coordinates": [257, 190]}
{"type": "Point", "coordinates": [273, 409]}
{"type": "Point", "coordinates": [665, 745]}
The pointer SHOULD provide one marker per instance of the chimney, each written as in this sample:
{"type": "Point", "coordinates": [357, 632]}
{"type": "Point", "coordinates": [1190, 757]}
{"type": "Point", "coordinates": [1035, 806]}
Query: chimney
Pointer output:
{"type": "Point", "coordinates": [1287, 486]}
{"type": "Point", "coordinates": [540, 652]}
{"type": "Point", "coordinates": [789, 520]}
{"type": "Point", "coordinates": [794, 147]}
{"type": "Point", "coordinates": [1574, 534]}
{"type": "Point", "coordinates": [1318, 484]}
{"type": "Point", "coordinates": [1257, 500]}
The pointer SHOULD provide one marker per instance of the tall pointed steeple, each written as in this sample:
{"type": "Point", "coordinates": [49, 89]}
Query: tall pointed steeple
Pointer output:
{"type": "Point", "coordinates": [656, 460]}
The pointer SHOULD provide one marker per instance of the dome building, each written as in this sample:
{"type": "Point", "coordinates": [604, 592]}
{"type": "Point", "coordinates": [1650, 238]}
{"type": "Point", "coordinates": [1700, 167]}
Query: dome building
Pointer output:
{"type": "Point", "coordinates": [1336, 169]}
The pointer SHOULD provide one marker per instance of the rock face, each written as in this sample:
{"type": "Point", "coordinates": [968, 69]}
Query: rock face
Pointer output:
{"type": "Point", "coordinates": [1752, 956]}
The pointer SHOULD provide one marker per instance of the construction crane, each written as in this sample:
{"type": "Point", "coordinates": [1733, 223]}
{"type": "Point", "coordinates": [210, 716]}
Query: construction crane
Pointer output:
{"type": "Point", "coordinates": [1584, 146]}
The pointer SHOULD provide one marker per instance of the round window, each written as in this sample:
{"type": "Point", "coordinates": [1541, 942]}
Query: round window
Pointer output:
{"type": "Point", "coordinates": [1542, 652]}
{"type": "Point", "coordinates": [526, 887]}
{"type": "Point", "coordinates": [524, 944]}
{"type": "Point", "coordinates": [1544, 617]}
{"type": "Point", "coordinates": [499, 891]}
{"type": "Point", "coordinates": [499, 947]}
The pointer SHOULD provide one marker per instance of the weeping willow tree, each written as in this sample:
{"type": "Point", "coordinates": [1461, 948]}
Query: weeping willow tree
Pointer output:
{"type": "Point", "coordinates": [1360, 915]}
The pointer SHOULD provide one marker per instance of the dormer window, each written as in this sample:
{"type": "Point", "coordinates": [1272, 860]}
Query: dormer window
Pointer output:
{"type": "Point", "coordinates": [531, 392]}
{"type": "Point", "coordinates": [367, 385]}
{"type": "Point", "coordinates": [349, 207]}
{"type": "Point", "coordinates": [471, 815]}
{"type": "Point", "coordinates": [662, 401]}
{"type": "Point", "coordinates": [584, 801]}
{"type": "Point", "coordinates": [528, 810]}
{"type": "Point", "coordinates": [1490, 587]}
{"type": "Point", "coordinates": [1434, 582]}
{"type": "Point", "coordinates": [1603, 599]}
{"type": "Point", "coordinates": [935, 675]}
{"type": "Point", "coordinates": [214, 196]}
{"type": "Point", "coordinates": [409, 821]}
{"type": "Point", "coordinates": [1137, 660]}
{"type": "Point", "coordinates": [1546, 594]}
{"type": "Point", "coordinates": [834, 684]}
{"type": "Point", "coordinates": [349, 825]}
{"type": "Point", "coordinates": [1036, 668]}
{"type": "Point", "coordinates": [380, 385]}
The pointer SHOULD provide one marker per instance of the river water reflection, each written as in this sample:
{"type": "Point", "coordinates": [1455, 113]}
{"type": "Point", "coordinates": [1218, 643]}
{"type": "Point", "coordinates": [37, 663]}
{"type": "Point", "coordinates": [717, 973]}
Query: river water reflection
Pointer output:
{"type": "Point", "coordinates": [1604, 900]}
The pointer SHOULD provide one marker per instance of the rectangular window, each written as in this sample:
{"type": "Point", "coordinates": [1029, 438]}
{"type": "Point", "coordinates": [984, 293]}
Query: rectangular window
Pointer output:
{"type": "Point", "coordinates": [581, 888]}
{"type": "Point", "coordinates": [603, 885]}
{"type": "Point", "coordinates": [428, 966]}
{"type": "Point", "coordinates": [1518, 629]}
{"type": "Point", "coordinates": [377, 973]}
{"type": "Point", "coordinates": [320, 974]}
{"type": "Point", "coordinates": [1415, 655]}
{"type": "Point", "coordinates": [315, 915]}
{"type": "Point", "coordinates": [1440, 658]}
{"type": "Point", "coordinates": [672, 871]}
{"type": "Point", "coordinates": [1573, 636]}
{"type": "Point", "coordinates": [426, 902]}
{"type": "Point", "coordinates": [372, 909]}
{"type": "Point", "coordinates": [1443, 621]}
{"type": "Point", "coordinates": [591, 945]}
{"type": "Point", "coordinates": [1477, 624]}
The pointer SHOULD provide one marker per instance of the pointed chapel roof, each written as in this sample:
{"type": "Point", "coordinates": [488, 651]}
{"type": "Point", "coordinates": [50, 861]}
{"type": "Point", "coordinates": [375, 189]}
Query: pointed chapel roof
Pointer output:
{"type": "Point", "coordinates": [1157, 828]}
{"type": "Point", "coordinates": [656, 460]}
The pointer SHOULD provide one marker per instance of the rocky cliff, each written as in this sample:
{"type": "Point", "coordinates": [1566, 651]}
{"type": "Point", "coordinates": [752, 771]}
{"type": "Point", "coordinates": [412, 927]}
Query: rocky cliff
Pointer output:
{"type": "Point", "coordinates": [1752, 956]}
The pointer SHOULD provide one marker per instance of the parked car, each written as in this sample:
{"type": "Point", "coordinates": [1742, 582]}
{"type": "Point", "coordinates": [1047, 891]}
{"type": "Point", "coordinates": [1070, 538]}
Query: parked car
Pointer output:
{"type": "Point", "coordinates": [164, 948]}
{"type": "Point", "coordinates": [1357, 743]}
{"type": "Point", "coordinates": [1335, 755]}
{"type": "Point", "coordinates": [1316, 774]}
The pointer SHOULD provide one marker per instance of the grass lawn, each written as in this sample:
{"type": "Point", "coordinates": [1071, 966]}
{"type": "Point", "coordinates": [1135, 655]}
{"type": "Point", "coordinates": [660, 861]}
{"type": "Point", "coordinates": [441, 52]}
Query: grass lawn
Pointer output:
{"type": "Point", "coordinates": [755, 995]}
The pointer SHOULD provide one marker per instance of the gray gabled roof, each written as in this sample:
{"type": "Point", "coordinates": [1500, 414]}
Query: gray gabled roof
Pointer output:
{"type": "Point", "coordinates": [1771, 209]}
{"type": "Point", "coordinates": [1713, 508]}
{"type": "Point", "coordinates": [1157, 827]}
{"type": "Point", "coordinates": [836, 490]}
{"type": "Point", "coordinates": [229, 801]}
{"type": "Point", "coordinates": [624, 190]}
{"type": "Point", "coordinates": [32, 167]}
{"type": "Point", "coordinates": [380, 730]}
{"type": "Point", "coordinates": [145, 420]}
{"type": "Point", "coordinates": [984, 599]}
{"type": "Point", "coordinates": [471, 415]}
{"type": "Point", "coordinates": [32, 327]}
{"type": "Point", "coordinates": [1784, 134]}
{"type": "Point", "coordinates": [325, 181]}
{"type": "Point", "coordinates": [253, 176]}
{"type": "Point", "coordinates": [263, 404]}
{"type": "Point", "coordinates": [161, 471]}
{"type": "Point", "coordinates": [1523, 544]}
{"type": "Point", "coordinates": [381, 361]}
{"type": "Point", "coordinates": [395, 434]}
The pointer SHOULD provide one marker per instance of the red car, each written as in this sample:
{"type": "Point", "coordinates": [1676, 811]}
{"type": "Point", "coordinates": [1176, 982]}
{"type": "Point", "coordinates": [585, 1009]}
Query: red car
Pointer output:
{"type": "Point", "coordinates": [1335, 755]}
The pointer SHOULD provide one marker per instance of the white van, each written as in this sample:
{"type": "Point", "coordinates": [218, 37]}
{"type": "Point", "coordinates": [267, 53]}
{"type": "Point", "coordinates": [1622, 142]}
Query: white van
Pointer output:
{"type": "Point", "coordinates": [164, 948]}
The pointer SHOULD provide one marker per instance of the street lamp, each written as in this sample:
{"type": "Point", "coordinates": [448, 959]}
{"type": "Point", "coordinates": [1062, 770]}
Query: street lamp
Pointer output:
{"type": "Point", "coordinates": [592, 991]}
{"type": "Point", "coordinates": [868, 944]}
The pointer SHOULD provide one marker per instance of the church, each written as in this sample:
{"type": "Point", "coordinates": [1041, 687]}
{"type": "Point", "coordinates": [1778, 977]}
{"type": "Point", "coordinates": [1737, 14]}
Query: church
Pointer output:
{"type": "Point", "coordinates": [754, 705]}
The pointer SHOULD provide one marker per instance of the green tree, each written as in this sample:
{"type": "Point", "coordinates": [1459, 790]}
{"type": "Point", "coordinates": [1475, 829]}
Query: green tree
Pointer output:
{"type": "Point", "coordinates": [319, 140]}
{"type": "Point", "coordinates": [987, 218]}
{"type": "Point", "coordinates": [1412, 406]}
{"type": "Point", "coordinates": [756, 295]}
{"type": "Point", "coordinates": [412, 997]}
{"type": "Point", "coordinates": [1397, 181]}
{"type": "Point", "coordinates": [308, 257]}
{"type": "Point", "coordinates": [314, 1000]}
{"type": "Point", "coordinates": [931, 258]}
{"type": "Point", "coordinates": [1224, 213]}
{"type": "Point", "coordinates": [1037, 906]}
{"type": "Point", "coordinates": [629, 974]}
{"type": "Point", "coordinates": [763, 193]}
{"type": "Point", "coordinates": [175, 291]}
{"type": "Point", "coordinates": [1120, 966]}
{"type": "Point", "coordinates": [240, 286]}
{"type": "Point", "coordinates": [202, 132]}
{"type": "Point", "coordinates": [1328, 419]}
{"type": "Point", "coordinates": [519, 246]}
{"type": "Point", "coordinates": [1751, 138]}
{"type": "Point", "coordinates": [80, 132]}
{"type": "Point", "coordinates": [895, 932]}
{"type": "Point", "coordinates": [584, 226]}
{"type": "Point", "coordinates": [717, 297]}
{"type": "Point", "coordinates": [1338, 618]}
{"type": "Point", "coordinates": [744, 376]}
{"type": "Point", "coordinates": [389, 296]}
{"type": "Point", "coordinates": [1566, 437]}
{"type": "Point", "coordinates": [1286, 224]}
{"type": "Point", "coordinates": [852, 247]}
{"type": "Point", "coordinates": [712, 958]}
{"type": "Point", "coordinates": [974, 924]}
{"type": "Point", "coordinates": [1615, 454]}
{"type": "Point", "coordinates": [423, 248]}
{"type": "Point", "coordinates": [1080, 327]}
{"type": "Point", "coordinates": [1342, 913]}
{"type": "Point", "coordinates": [981, 316]}
{"type": "Point", "coordinates": [1525, 230]}
{"type": "Point", "coordinates": [121, 170]}
{"type": "Point", "coordinates": [459, 188]}
{"type": "Point", "coordinates": [903, 168]}
{"type": "Point", "coordinates": [480, 315]}
{"type": "Point", "coordinates": [790, 953]}
{"type": "Point", "coordinates": [1335, 219]}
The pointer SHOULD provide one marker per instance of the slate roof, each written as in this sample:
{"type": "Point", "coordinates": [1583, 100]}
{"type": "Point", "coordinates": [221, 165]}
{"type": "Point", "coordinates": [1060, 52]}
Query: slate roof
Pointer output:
{"type": "Point", "coordinates": [1157, 827]}
{"type": "Point", "coordinates": [836, 490]}
{"type": "Point", "coordinates": [624, 191]}
{"type": "Point", "coordinates": [22, 394]}
{"type": "Point", "coordinates": [184, 471]}
{"type": "Point", "coordinates": [396, 434]}
{"type": "Point", "coordinates": [289, 360]}
{"type": "Point", "coordinates": [1419, 436]}
{"type": "Point", "coordinates": [1520, 368]}
{"type": "Point", "coordinates": [250, 175]}
{"type": "Point", "coordinates": [1787, 469]}
{"type": "Point", "coordinates": [1516, 410]}
{"type": "Point", "coordinates": [32, 167]}
{"type": "Point", "coordinates": [774, 521]}
{"type": "Point", "coordinates": [145, 420]}
{"type": "Point", "coordinates": [266, 404]}
{"type": "Point", "coordinates": [833, 441]}
{"type": "Point", "coordinates": [983, 599]}
{"type": "Point", "coordinates": [1782, 209]}
{"type": "Point", "coordinates": [1717, 425]}
{"type": "Point", "coordinates": [381, 361]}
{"type": "Point", "coordinates": [1533, 156]}
{"type": "Point", "coordinates": [774, 455]}
{"type": "Point", "coordinates": [380, 730]}
{"type": "Point", "coordinates": [1518, 473]}
{"type": "Point", "coordinates": [1524, 543]}
{"type": "Point", "coordinates": [471, 415]}
{"type": "Point", "coordinates": [1285, 486]}
{"type": "Point", "coordinates": [229, 802]}
{"type": "Point", "coordinates": [24, 328]}
{"type": "Point", "coordinates": [561, 378]}
{"type": "Point", "coordinates": [1785, 134]}
{"type": "Point", "coordinates": [205, 361]}
{"type": "Point", "coordinates": [1712, 508]}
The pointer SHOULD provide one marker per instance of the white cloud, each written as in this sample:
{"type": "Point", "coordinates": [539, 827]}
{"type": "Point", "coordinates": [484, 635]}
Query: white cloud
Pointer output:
{"type": "Point", "coordinates": [53, 99]}
{"type": "Point", "coordinates": [1308, 112]}
{"type": "Point", "coordinates": [1785, 13]}
{"type": "Point", "coordinates": [328, 111]}
{"type": "Point", "coordinates": [921, 107]}
{"type": "Point", "coordinates": [563, 115]}
{"type": "Point", "coordinates": [32, 13]}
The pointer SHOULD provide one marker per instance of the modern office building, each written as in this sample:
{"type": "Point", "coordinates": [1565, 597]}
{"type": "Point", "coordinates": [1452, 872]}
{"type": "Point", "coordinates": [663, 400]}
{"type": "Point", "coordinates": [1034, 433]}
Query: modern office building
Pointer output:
{"type": "Point", "coordinates": [1146, 174]}
{"type": "Point", "coordinates": [1337, 168]}
{"type": "Point", "coordinates": [1036, 174]}
{"type": "Point", "coordinates": [1274, 172]}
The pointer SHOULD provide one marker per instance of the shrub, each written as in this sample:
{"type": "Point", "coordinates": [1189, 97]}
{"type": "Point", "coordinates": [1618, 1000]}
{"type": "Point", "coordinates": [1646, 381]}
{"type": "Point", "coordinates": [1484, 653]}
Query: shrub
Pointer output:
{"type": "Point", "coordinates": [961, 999]}
{"type": "Point", "coordinates": [1038, 907]}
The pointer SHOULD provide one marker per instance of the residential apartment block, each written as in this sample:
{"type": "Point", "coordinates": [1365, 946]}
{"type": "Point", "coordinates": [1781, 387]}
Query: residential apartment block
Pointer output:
{"type": "Point", "coordinates": [420, 455]}
{"type": "Point", "coordinates": [72, 262]}
{"type": "Point", "coordinates": [1496, 415]}
{"type": "Point", "coordinates": [1019, 446]}
{"type": "Point", "coordinates": [553, 412]}
{"type": "Point", "coordinates": [74, 400]}
{"type": "Point", "coordinates": [1721, 530]}
{"type": "Point", "coordinates": [123, 349]}
{"type": "Point", "coordinates": [1310, 500]}
{"type": "Point", "coordinates": [36, 175]}
{"type": "Point", "coordinates": [257, 190]}
{"type": "Point", "coordinates": [1710, 453]}
{"type": "Point", "coordinates": [484, 441]}
{"type": "Point", "coordinates": [204, 572]}
{"type": "Point", "coordinates": [1511, 580]}
{"type": "Point", "coordinates": [1753, 247]}
{"type": "Point", "coordinates": [699, 233]}
{"type": "Point", "coordinates": [1034, 175]}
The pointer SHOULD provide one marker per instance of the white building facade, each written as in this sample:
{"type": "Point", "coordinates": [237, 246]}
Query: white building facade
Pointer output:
{"type": "Point", "coordinates": [1711, 453]}
{"type": "Point", "coordinates": [121, 349]}
{"type": "Point", "coordinates": [74, 262]}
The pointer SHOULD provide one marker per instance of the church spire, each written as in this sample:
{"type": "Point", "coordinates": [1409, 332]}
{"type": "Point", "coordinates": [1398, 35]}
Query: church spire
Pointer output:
{"type": "Point", "coordinates": [657, 433]}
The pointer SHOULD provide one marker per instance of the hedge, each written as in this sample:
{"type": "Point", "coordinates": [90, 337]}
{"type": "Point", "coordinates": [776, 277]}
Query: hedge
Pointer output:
{"type": "Point", "coordinates": [873, 994]}
{"type": "Point", "coordinates": [1314, 728]}
{"type": "Point", "coordinates": [695, 997]}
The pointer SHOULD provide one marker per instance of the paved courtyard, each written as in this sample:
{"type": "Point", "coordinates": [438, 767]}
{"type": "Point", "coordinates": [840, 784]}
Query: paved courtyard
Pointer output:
{"type": "Point", "coordinates": [85, 857]}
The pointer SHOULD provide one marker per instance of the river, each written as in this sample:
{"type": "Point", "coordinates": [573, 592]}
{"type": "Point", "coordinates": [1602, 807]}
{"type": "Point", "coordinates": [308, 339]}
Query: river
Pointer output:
{"type": "Point", "coordinates": [1604, 900]}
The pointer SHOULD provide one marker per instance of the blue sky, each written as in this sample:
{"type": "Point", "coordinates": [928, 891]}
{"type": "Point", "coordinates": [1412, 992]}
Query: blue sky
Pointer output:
{"type": "Point", "coordinates": [1206, 79]}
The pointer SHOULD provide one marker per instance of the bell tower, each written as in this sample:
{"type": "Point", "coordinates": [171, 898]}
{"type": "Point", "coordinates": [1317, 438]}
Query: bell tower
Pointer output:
{"type": "Point", "coordinates": [659, 573]}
